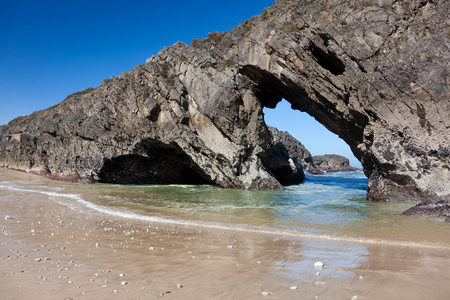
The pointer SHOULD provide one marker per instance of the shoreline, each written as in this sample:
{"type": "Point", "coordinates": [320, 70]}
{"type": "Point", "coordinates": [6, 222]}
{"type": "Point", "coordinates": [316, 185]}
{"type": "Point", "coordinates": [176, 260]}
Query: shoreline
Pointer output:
{"type": "Point", "coordinates": [53, 177]}
{"type": "Point", "coordinates": [255, 230]}
{"type": "Point", "coordinates": [49, 251]}
{"type": "Point", "coordinates": [250, 229]}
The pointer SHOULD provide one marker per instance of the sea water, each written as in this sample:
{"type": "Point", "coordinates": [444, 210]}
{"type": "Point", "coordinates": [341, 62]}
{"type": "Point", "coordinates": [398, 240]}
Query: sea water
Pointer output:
{"type": "Point", "coordinates": [329, 206]}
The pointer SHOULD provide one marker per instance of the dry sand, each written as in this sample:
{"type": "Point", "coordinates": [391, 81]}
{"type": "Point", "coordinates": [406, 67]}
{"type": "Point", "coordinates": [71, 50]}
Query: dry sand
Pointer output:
{"type": "Point", "coordinates": [49, 251]}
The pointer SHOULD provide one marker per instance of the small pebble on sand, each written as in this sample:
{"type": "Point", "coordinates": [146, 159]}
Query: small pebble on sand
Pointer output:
{"type": "Point", "coordinates": [265, 293]}
{"type": "Point", "coordinates": [318, 264]}
{"type": "Point", "coordinates": [294, 287]}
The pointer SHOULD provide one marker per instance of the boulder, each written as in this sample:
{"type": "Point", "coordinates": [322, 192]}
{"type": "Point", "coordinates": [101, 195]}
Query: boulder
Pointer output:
{"type": "Point", "coordinates": [430, 209]}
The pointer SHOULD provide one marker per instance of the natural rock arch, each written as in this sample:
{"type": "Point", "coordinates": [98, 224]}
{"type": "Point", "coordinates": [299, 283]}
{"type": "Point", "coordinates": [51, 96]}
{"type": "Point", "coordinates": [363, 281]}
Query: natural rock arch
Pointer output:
{"type": "Point", "coordinates": [270, 90]}
{"type": "Point", "coordinates": [375, 74]}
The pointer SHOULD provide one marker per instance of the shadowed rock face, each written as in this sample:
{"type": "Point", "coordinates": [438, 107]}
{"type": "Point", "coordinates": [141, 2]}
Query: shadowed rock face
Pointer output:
{"type": "Point", "coordinates": [374, 72]}
{"type": "Point", "coordinates": [296, 150]}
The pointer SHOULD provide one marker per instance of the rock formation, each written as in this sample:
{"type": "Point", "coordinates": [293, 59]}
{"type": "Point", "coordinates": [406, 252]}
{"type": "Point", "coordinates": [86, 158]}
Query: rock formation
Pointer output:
{"type": "Point", "coordinates": [330, 163]}
{"type": "Point", "coordinates": [440, 209]}
{"type": "Point", "coordinates": [376, 73]}
{"type": "Point", "coordinates": [295, 149]}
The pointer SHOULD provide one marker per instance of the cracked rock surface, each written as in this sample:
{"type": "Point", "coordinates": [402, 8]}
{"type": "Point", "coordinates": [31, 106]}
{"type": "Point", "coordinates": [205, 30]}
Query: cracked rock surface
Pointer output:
{"type": "Point", "coordinates": [376, 73]}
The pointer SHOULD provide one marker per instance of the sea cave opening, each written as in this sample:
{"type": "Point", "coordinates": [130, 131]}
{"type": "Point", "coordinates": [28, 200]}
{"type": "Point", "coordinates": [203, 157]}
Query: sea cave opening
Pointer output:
{"type": "Point", "coordinates": [153, 162]}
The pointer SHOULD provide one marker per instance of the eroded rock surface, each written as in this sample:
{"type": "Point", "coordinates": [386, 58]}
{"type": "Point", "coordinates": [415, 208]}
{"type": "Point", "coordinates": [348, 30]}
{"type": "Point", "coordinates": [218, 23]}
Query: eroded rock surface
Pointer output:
{"type": "Point", "coordinates": [374, 72]}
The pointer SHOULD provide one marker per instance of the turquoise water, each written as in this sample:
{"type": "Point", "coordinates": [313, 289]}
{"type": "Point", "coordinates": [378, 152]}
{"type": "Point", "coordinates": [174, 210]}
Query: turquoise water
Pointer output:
{"type": "Point", "coordinates": [332, 206]}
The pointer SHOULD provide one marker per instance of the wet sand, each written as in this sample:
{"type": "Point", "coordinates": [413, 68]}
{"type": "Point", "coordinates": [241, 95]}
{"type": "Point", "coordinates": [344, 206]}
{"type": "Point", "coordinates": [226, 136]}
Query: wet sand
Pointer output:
{"type": "Point", "coordinates": [49, 251]}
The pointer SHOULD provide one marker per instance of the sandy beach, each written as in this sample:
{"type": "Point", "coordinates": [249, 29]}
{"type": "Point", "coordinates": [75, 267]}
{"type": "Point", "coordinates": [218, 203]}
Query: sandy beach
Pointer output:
{"type": "Point", "coordinates": [50, 251]}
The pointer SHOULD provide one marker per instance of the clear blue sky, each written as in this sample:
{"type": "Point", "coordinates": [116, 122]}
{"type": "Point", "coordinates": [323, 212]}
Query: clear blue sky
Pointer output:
{"type": "Point", "coordinates": [50, 49]}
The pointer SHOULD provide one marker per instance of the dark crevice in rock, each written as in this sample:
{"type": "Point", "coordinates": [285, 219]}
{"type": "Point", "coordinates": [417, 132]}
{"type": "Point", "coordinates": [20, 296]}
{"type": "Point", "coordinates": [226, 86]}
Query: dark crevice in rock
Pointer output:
{"type": "Point", "coordinates": [86, 138]}
{"type": "Point", "coordinates": [52, 133]}
{"type": "Point", "coordinates": [154, 113]}
{"type": "Point", "coordinates": [328, 60]}
{"type": "Point", "coordinates": [325, 38]}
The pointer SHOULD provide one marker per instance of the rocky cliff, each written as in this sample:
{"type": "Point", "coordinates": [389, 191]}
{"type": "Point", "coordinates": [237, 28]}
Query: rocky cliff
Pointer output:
{"type": "Point", "coordinates": [374, 72]}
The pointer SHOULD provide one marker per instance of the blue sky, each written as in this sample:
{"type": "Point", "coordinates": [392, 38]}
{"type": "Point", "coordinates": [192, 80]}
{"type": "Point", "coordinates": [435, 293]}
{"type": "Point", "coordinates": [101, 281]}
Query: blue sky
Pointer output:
{"type": "Point", "coordinates": [50, 49]}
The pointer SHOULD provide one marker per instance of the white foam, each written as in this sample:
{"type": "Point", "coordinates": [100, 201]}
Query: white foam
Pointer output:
{"type": "Point", "coordinates": [12, 186]}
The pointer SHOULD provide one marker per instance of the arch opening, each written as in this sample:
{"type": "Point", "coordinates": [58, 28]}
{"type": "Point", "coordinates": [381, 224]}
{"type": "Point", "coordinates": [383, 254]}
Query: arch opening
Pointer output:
{"type": "Point", "coordinates": [317, 139]}
{"type": "Point", "coordinates": [343, 130]}
{"type": "Point", "coordinates": [153, 163]}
